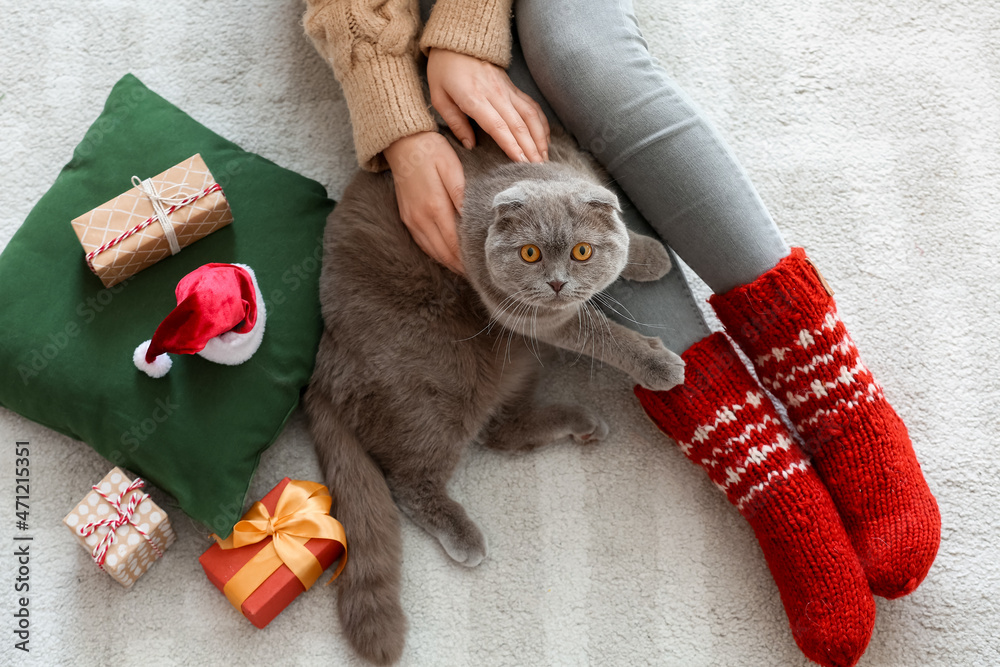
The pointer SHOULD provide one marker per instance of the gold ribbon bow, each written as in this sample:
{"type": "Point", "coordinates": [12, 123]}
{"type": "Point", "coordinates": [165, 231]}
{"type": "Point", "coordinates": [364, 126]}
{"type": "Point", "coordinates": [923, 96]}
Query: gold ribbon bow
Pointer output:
{"type": "Point", "coordinates": [302, 513]}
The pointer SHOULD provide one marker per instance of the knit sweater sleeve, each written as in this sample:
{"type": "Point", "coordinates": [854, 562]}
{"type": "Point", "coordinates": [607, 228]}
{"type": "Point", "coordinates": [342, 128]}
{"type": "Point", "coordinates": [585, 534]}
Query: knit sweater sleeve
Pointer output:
{"type": "Point", "coordinates": [372, 47]}
{"type": "Point", "coordinates": [479, 28]}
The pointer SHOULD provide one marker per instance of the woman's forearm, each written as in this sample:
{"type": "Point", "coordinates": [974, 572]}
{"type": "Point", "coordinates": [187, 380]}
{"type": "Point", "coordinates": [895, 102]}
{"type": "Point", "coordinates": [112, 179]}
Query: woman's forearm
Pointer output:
{"type": "Point", "coordinates": [372, 47]}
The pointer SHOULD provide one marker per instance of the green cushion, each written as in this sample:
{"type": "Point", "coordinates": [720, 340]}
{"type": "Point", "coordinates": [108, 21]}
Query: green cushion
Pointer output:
{"type": "Point", "coordinates": [66, 342]}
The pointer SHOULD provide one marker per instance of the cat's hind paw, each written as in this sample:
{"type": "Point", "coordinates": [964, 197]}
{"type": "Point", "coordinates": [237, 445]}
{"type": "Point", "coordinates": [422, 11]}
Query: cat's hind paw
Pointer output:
{"type": "Point", "coordinates": [595, 431]}
{"type": "Point", "coordinates": [466, 546]}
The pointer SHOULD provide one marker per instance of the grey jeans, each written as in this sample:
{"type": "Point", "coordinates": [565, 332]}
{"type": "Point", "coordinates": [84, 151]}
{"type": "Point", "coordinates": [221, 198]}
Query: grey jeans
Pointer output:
{"type": "Point", "coordinates": [587, 64]}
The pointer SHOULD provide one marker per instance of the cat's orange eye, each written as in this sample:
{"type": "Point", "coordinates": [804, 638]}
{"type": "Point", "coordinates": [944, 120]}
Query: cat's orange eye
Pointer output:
{"type": "Point", "coordinates": [530, 253]}
{"type": "Point", "coordinates": [582, 252]}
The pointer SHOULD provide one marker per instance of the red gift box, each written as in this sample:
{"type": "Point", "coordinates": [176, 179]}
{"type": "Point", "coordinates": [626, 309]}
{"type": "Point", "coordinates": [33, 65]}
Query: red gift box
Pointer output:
{"type": "Point", "coordinates": [283, 585]}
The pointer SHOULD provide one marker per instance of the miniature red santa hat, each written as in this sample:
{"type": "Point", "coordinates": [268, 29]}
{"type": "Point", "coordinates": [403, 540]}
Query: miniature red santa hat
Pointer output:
{"type": "Point", "coordinates": [219, 315]}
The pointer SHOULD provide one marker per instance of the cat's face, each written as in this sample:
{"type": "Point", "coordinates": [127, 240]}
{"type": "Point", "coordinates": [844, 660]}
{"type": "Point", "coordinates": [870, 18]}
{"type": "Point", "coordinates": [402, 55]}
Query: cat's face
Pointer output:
{"type": "Point", "coordinates": [555, 243]}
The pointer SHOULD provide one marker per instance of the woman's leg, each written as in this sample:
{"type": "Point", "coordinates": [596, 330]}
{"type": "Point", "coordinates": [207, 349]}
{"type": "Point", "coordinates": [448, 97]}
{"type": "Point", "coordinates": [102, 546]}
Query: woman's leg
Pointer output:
{"type": "Point", "coordinates": [592, 64]}
{"type": "Point", "coordinates": [590, 61]}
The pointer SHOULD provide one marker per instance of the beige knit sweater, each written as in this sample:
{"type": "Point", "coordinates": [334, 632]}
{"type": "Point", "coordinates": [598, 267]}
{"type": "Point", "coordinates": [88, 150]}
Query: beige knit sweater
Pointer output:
{"type": "Point", "coordinates": [372, 46]}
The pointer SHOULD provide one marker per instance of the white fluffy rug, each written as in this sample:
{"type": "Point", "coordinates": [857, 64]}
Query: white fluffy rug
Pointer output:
{"type": "Point", "coordinates": [871, 129]}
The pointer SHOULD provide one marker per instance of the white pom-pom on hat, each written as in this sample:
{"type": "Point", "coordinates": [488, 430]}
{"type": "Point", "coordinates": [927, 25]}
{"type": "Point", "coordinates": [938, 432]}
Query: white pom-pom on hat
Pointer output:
{"type": "Point", "coordinates": [155, 369]}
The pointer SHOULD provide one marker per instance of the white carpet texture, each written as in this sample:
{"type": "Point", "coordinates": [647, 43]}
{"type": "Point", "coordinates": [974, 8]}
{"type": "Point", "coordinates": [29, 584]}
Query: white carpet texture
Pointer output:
{"type": "Point", "coordinates": [870, 129]}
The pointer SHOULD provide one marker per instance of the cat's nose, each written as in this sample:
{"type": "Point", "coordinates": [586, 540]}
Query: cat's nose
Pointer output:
{"type": "Point", "coordinates": [556, 285]}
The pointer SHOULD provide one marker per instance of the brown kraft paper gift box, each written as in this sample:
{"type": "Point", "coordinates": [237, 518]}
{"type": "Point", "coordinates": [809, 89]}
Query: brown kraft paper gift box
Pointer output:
{"type": "Point", "coordinates": [138, 542]}
{"type": "Point", "coordinates": [125, 235]}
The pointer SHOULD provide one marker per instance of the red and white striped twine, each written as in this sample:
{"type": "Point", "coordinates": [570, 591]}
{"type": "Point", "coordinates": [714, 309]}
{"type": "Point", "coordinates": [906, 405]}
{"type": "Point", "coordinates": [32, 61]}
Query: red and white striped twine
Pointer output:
{"type": "Point", "coordinates": [214, 187]}
{"type": "Point", "coordinates": [121, 517]}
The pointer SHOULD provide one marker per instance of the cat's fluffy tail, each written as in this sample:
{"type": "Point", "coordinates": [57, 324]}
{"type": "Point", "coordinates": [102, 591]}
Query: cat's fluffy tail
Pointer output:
{"type": "Point", "coordinates": [369, 606]}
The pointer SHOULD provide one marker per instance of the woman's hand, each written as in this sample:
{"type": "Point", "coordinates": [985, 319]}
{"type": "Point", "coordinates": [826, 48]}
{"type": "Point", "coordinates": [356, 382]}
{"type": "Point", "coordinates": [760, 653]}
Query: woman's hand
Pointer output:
{"type": "Point", "coordinates": [430, 185]}
{"type": "Point", "coordinates": [462, 87]}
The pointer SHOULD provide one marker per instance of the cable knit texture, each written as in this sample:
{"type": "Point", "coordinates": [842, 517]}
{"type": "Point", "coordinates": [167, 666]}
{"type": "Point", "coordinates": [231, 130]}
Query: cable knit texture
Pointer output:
{"type": "Point", "coordinates": [372, 47]}
{"type": "Point", "coordinates": [724, 422]}
{"type": "Point", "coordinates": [787, 322]}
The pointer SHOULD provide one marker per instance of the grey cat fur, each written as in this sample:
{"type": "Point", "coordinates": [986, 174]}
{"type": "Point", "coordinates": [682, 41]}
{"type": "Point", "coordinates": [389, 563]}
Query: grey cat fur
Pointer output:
{"type": "Point", "coordinates": [415, 362]}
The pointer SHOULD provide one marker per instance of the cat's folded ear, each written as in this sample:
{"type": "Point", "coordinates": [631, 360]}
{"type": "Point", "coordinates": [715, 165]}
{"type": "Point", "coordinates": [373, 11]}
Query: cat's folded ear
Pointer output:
{"type": "Point", "coordinates": [510, 199]}
{"type": "Point", "coordinates": [595, 195]}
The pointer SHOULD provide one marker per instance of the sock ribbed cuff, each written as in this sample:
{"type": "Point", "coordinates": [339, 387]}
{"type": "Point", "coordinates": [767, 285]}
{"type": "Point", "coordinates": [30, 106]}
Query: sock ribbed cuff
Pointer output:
{"type": "Point", "coordinates": [776, 306]}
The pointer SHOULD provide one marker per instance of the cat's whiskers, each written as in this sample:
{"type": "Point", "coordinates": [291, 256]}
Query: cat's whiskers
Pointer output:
{"type": "Point", "coordinates": [586, 328]}
{"type": "Point", "coordinates": [611, 335]}
{"type": "Point", "coordinates": [515, 306]}
{"type": "Point", "coordinates": [534, 335]}
{"type": "Point", "coordinates": [593, 356]}
{"type": "Point", "coordinates": [524, 318]}
{"type": "Point", "coordinates": [582, 331]}
{"type": "Point", "coordinates": [511, 330]}
{"type": "Point", "coordinates": [611, 179]}
{"type": "Point", "coordinates": [513, 325]}
{"type": "Point", "coordinates": [497, 314]}
{"type": "Point", "coordinates": [607, 325]}
{"type": "Point", "coordinates": [509, 318]}
{"type": "Point", "coordinates": [609, 302]}
{"type": "Point", "coordinates": [529, 339]}
{"type": "Point", "coordinates": [604, 334]}
{"type": "Point", "coordinates": [510, 302]}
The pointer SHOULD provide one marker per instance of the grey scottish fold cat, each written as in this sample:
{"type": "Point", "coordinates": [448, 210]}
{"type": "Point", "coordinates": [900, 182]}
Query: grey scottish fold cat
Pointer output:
{"type": "Point", "coordinates": [416, 362]}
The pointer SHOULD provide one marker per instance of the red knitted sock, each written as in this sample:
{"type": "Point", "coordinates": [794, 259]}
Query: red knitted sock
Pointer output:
{"type": "Point", "coordinates": [724, 422]}
{"type": "Point", "coordinates": [786, 321]}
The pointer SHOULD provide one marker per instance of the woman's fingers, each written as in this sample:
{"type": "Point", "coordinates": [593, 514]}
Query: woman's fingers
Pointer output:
{"type": "Point", "coordinates": [516, 124]}
{"type": "Point", "coordinates": [430, 240]}
{"type": "Point", "coordinates": [522, 139]}
{"type": "Point", "coordinates": [483, 112]}
{"type": "Point", "coordinates": [534, 117]}
{"type": "Point", "coordinates": [462, 85]}
{"type": "Point", "coordinates": [452, 178]}
{"type": "Point", "coordinates": [456, 119]}
{"type": "Point", "coordinates": [433, 229]}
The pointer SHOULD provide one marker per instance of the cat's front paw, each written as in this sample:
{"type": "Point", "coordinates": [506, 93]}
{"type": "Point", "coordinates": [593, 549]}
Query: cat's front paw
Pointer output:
{"type": "Point", "coordinates": [648, 259]}
{"type": "Point", "coordinates": [660, 369]}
